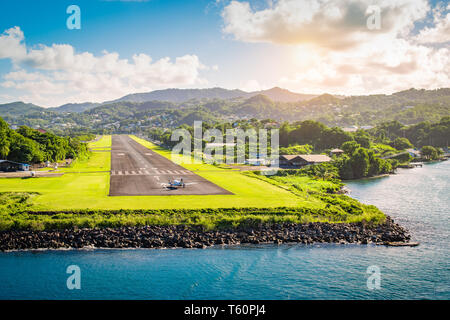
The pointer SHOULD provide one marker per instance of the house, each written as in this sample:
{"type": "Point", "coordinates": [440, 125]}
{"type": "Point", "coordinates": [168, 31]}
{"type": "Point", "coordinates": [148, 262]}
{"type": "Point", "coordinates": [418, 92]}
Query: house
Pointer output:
{"type": "Point", "coordinates": [301, 160]}
{"type": "Point", "coordinates": [41, 130]}
{"type": "Point", "coordinates": [12, 166]}
{"type": "Point", "coordinates": [336, 152]}
{"type": "Point", "coordinates": [289, 160]}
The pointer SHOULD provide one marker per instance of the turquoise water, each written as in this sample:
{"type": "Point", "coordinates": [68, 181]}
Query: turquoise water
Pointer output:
{"type": "Point", "coordinates": [418, 199]}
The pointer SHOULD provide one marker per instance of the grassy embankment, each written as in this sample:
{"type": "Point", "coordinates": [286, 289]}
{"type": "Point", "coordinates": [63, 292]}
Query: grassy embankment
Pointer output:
{"type": "Point", "coordinates": [85, 186]}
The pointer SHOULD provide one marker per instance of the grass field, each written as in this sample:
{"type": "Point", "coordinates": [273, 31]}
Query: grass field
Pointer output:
{"type": "Point", "coordinates": [103, 143]}
{"type": "Point", "coordinates": [85, 185]}
{"type": "Point", "coordinates": [80, 198]}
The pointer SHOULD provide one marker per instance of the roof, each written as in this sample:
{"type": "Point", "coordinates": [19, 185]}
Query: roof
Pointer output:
{"type": "Point", "coordinates": [308, 157]}
{"type": "Point", "coordinates": [289, 156]}
{"type": "Point", "coordinates": [315, 157]}
{"type": "Point", "coordinates": [23, 164]}
{"type": "Point", "coordinates": [337, 150]}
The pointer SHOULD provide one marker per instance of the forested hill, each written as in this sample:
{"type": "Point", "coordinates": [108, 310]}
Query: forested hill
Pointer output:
{"type": "Point", "coordinates": [19, 108]}
{"type": "Point", "coordinates": [26, 145]}
{"type": "Point", "coordinates": [407, 107]}
{"type": "Point", "coordinates": [75, 107]}
{"type": "Point", "coordinates": [184, 95]}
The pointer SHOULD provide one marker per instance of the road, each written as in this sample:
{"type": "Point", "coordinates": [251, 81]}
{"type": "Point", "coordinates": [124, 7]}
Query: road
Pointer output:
{"type": "Point", "coordinates": [139, 171]}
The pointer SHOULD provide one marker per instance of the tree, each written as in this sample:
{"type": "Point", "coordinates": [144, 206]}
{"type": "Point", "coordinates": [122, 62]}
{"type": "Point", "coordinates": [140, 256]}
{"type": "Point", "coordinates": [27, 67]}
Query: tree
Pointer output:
{"type": "Point", "coordinates": [360, 163]}
{"type": "Point", "coordinates": [324, 173]}
{"type": "Point", "coordinates": [363, 138]}
{"type": "Point", "coordinates": [309, 132]}
{"type": "Point", "coordinates": [24, 149]}
{"type": "Point", "coordinates": [297, 149]}
{"type": "Point", "coordinates": [401, 143]}
{"type": "Point", "coordinates": [429, 152]}
{"type": "Point", "coordinates": [350, 146]}
{"type": "Point", "coordinates": [285, 129]}
{"type": "Point", "coordinates": [4, 144]}
{"type": "Point", "coordinates": [345, 167]}
{"type": "Point", "coordinates": [333, 137]}
{"type": "Point", "coordinates": [30, 146]}
{"type": "Point", "coordinates": [4, 141]}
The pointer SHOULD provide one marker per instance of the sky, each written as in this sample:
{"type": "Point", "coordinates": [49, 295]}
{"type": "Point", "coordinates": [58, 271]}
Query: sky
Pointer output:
{"type": "Point", "coordinates": [348, 47]}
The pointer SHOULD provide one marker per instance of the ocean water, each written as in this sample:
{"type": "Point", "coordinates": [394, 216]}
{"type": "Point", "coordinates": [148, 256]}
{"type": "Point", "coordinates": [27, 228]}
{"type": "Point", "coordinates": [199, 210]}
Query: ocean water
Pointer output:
{"type": "Point", "coordinates": [418, 198]}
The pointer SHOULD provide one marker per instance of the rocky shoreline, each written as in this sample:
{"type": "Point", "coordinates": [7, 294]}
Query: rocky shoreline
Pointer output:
{"type": "Point", "coordinates": [195, 237]}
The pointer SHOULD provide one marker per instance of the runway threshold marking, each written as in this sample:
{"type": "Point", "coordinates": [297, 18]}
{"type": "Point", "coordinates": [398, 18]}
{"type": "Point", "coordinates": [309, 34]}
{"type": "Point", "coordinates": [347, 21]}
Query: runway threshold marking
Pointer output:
{"type": "Point", "coordinates": [148, 173]}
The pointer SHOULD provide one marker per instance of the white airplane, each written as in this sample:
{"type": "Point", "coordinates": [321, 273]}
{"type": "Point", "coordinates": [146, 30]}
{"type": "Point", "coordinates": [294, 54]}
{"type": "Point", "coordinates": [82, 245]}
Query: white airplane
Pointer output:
{"type": "Point", "coordinates": [174, 184]}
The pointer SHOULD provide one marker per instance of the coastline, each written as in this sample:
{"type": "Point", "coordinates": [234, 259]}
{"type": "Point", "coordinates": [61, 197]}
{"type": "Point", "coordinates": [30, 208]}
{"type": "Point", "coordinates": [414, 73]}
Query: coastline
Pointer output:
{"type": "Point", "coordinates": [180, 236]}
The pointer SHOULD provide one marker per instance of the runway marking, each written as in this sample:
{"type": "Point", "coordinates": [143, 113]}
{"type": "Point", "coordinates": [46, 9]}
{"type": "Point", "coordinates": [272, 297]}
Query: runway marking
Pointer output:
{"type": "Point", "coordinates": [139, 161]}
{"type": "Point", "coordinates": [148, 173]}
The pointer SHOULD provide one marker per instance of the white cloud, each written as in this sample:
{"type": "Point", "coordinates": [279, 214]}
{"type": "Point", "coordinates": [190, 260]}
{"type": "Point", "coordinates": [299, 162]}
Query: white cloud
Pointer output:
{"type": "Point", "coordinates": [372, 69]}
{"type": "Point", "coordinates": [337, 53]}
{"type": "Point", "coordinates": [251, 85]}
{"type": "Point", "coordinates": [440, 31]}
{"type": "Point", "coordinates": [11, 44]}
{"type": "Point", "coordinates": [60, 74]}
{"type": "Point", "coordinates": [336, 24]}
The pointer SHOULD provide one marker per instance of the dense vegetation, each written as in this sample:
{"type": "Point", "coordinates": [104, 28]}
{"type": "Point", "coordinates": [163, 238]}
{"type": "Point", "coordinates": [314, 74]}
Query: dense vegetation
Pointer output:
{"type": "Point", "coordinates": [141, 115]}
{"type": "Point", "coordinates": [436, 134]}
{"type": "Point", "coordinates": [31, 146]}
{"type": "Point", "coordinates": [366, 152]}
{"type": "Point", "coordinates": [16, 210]}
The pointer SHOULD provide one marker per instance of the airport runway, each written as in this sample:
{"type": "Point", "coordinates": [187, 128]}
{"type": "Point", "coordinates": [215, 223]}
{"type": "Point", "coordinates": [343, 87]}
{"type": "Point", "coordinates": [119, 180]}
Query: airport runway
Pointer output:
{"type": "Point", "coordinates": [139, 171]}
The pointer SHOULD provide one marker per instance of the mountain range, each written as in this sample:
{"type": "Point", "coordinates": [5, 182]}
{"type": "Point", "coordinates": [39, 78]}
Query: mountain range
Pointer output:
{"type": "Point", "coordinates": [75, 107]}
{"type": "Point", "coordinates": [183, 95]}
{"type": "Point", "coordinates": [174, 107]}
{"type": "Point", "coordinates": [167, 95]}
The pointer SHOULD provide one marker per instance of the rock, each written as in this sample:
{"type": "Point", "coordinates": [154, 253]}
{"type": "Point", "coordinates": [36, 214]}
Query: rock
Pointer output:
{"type": "Point", "coordinates": [388, 233]}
